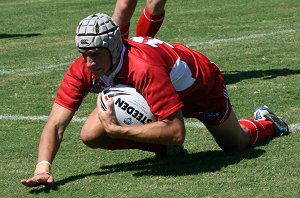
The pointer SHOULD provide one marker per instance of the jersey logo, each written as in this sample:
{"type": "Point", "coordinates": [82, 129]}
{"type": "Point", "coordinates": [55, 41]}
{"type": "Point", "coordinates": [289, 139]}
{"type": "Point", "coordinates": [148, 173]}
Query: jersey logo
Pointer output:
{"type": "Point", "coordinates": [153, 42]}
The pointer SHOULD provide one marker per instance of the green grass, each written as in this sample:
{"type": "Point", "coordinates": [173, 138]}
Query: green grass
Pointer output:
{"type": "Point", "coordinates": [37, 34]}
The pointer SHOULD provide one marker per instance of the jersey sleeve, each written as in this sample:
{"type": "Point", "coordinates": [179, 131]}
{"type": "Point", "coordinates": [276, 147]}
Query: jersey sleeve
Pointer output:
{"type": "Point", "coordinates": [74, 86]}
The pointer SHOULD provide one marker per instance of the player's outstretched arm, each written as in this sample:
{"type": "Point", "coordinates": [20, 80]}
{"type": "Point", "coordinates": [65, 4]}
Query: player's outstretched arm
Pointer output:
{"type": "Point", "coordinates": [50, 140]}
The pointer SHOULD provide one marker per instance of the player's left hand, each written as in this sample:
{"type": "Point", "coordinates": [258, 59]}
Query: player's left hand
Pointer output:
{"type": "Point", "coordinates": [108, 118]}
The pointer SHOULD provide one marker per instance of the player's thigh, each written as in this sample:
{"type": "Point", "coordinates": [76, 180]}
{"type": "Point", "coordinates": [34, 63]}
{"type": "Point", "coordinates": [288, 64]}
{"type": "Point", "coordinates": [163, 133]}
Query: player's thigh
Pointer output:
{"type": "Point", "coordinates": [229, 135]}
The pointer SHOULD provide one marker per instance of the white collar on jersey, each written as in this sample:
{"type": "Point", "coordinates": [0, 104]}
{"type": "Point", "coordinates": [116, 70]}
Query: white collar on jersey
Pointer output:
{"type": "Point", "coordinates": [108, 80]}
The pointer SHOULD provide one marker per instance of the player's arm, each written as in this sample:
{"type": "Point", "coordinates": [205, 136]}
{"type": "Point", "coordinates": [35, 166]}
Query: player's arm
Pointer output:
{"type": "Point", "coordinates": [168, 131]}
{"type": "Point", "coordinates": [50, 140]}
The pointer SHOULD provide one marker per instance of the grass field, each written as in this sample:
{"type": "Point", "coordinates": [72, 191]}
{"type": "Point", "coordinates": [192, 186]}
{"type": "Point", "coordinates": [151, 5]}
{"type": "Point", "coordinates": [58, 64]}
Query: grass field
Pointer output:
{"type": "Point", "coordinates": [256, 45]}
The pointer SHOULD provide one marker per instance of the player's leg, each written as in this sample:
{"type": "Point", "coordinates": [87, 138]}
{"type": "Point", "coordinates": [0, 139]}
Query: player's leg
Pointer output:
{"type": "Point", "coordinates": [123, 12]}
{"type": "Point", "coordinates": [151, 18]}
{"type": "Point", "coordinates": [230, 133]}
{"type": "Point", "coordinates": [236, 135]}
{"type": "Point", "coordinates": [92, 133]}
{"type": "Point", "coordinates": [230, 136]}
{"type": "Point", "coordinates": [156, 7]}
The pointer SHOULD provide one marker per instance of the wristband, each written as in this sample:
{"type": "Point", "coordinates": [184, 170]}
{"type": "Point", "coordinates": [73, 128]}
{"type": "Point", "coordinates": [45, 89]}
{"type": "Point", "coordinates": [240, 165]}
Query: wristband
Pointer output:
{"type": "Point", "coordinates": [43, 162]}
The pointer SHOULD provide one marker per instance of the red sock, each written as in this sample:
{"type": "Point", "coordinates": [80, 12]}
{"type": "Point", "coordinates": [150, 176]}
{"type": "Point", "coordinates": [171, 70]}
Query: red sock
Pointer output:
{"type": "Point", "coordinates": [259, 129]}
{"type": "Point", "coordinates": [148, 24]}
{"type": "Point", "coordinates": [128, 144]}
{"type": "Point", "coordinates": [125, 31]}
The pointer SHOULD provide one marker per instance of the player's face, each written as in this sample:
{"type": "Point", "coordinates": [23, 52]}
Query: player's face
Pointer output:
{"type": "Point", "coordinates": [97, 60]}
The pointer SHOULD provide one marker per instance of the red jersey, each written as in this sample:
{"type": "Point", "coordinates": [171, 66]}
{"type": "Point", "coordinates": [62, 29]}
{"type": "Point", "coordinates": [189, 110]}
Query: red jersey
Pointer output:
{"type": "Point", "coordinates": [170, 77]}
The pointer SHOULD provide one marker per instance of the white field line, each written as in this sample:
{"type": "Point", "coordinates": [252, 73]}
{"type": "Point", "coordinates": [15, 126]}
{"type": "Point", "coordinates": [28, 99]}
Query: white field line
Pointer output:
{"type": "Point", "coordinates": [12, 71]}
{"type": "Point", "coordinates": [193, 44]}
{"type": "Point", "coordinates": [251, 36]}
{"type": "Point", "coordinates": [192, 124]}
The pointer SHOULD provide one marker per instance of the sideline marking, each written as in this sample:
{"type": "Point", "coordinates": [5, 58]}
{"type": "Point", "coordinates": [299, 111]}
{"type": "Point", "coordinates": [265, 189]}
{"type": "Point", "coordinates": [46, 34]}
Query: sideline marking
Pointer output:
{"type": "Point", "coordinates": [12, 71]}
{"type": "Point", "coordinates": [292, 127]}
{"type": "Point", "coordinates": [36, 118]}
{"type": "Point", "coordinates": [251, 36]}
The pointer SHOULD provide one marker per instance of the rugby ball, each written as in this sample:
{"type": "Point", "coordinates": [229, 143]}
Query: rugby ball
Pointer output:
{"type": "Point", "coordinates": [130, 107]}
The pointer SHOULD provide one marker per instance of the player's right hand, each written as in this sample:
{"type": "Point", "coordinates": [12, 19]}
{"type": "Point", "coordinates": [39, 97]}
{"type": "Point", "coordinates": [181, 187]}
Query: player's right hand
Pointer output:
{"type": "Point", "coordinates": [38, 179]}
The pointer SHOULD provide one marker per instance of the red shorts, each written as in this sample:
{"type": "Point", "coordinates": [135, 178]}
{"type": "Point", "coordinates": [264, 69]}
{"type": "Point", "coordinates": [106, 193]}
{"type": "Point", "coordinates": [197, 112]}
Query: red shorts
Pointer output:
{"type": "Point", "coordinates": [209, 103]}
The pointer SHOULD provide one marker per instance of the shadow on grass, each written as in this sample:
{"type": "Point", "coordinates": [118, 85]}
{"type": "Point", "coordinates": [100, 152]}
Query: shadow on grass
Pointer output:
{"type": "Point", "coordinates": [3, 36]}
{"type": "Point", "coordinates": [191, 164]}
{"type": "Point", "coordinates": [232, 77]}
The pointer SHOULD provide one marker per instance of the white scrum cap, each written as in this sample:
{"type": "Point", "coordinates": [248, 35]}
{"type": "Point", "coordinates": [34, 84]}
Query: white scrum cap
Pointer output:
{"type": "Point", "coordinates": [99, 31]}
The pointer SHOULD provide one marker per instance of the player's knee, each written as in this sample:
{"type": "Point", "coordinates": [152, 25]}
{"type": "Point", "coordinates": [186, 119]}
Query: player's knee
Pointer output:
{"type": "Point", "coordinates": [87, 139]}
{"type": "Point", "coordinates": [92, 140]}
